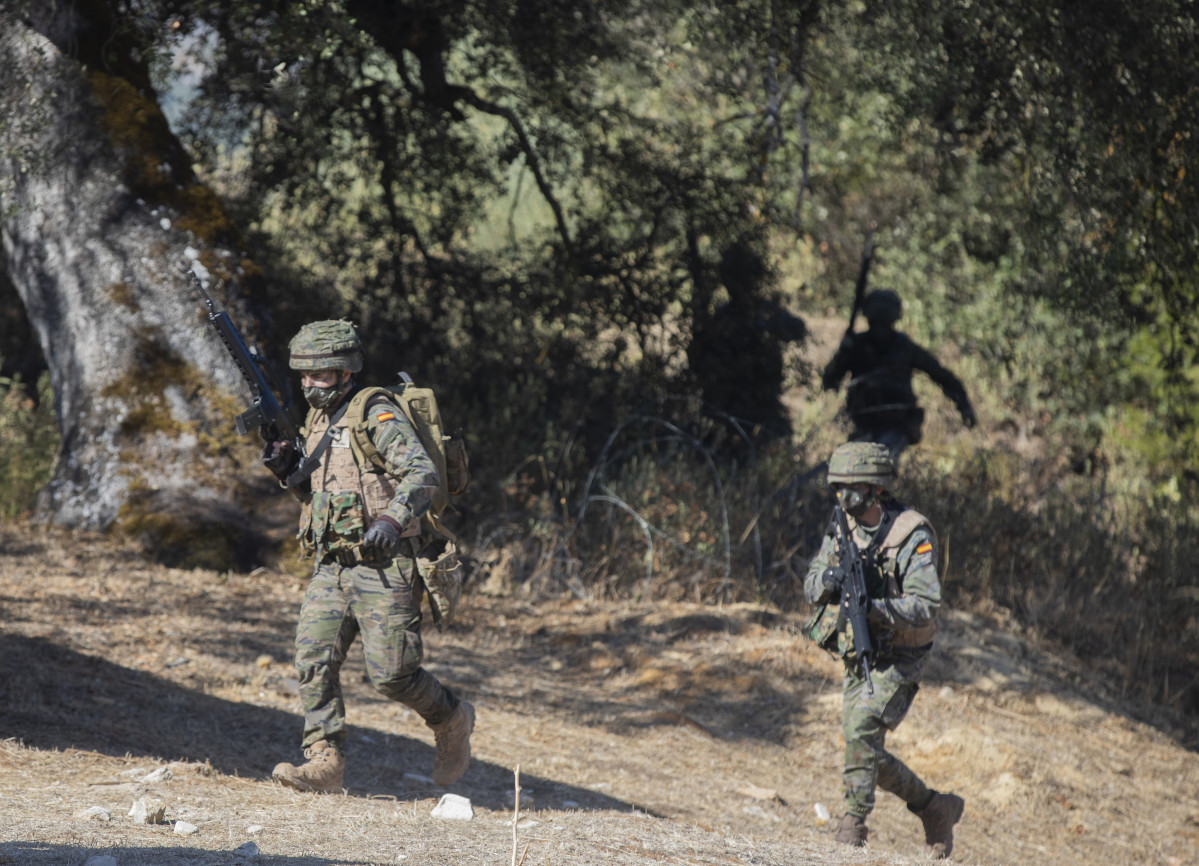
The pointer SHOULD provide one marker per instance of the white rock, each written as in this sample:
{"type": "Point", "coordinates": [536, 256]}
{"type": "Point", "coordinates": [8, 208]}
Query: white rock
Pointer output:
{"type": "Point", "coordinates": [821, 812]}
{"type": "Point", "coordinates": [417, 777]}
{"type": "Point", "coordinates": [453, 808]}
{"type": "Point", "coordinates": [148, 811]}
{"type": "Point", "coordinates": [159, 775]}
{"type": "Point", "coordinates": [165, 223]}
{"type": "Point", "coordinates": [247, 850]}
{"type": "Point", "coordinates": [254, 829]}
{"type": "Point", "coordinates": [98, 813]}
{"type": "Point", "coordinates": [182, 828]}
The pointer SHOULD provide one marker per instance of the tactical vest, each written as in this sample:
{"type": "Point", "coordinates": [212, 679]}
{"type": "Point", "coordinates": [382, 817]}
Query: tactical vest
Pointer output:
{"type": "Point", "coordinates": [905, 523]}
{"type": "Point", "coordinates": [827, 627]}
{"type": "Point", "coordinates": [345, 499]}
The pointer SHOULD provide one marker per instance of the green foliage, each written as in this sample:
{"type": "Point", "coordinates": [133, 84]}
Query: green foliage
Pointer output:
{"type": "Point", "coordinates": [29, 441]}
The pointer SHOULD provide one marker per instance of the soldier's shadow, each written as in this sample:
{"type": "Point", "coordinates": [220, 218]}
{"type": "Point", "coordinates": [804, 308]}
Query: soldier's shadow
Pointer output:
{"type": "Point", "coordinates": [52, 697]}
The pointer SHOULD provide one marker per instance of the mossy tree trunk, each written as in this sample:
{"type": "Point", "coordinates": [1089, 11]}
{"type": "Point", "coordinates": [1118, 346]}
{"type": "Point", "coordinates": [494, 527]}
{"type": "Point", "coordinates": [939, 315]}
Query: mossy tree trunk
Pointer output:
{"type": "Point", "coordinates": [101, 219]}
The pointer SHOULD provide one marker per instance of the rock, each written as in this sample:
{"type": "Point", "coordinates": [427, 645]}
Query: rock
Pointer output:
{"type": "Point", "coordinates": [162, 774]}
{"type": "Point", "coordinates": [246, 850]}
{"type": "Point", "coordinates": [254, 829]}
{"type": "Point", "coordinates": [96, 813]}
{"type": "Point", "coordinates": [183, 768]}
{"type": "Point", "coordinates": [418, 778]}
{"type": "Point", "coordinates": [182, 828]}
{"type": "Point", "coordinates": [757, 793]}
{"type": "Point", "coordinates": [148, 811]}
{"type": "Point", "coordinates": [453, 808]}
{"type": "Point", "coordinates": [821, 812]}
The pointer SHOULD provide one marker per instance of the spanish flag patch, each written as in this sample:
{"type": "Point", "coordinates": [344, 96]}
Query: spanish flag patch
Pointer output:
{"type": "Point", "coordinates": [386, 416]}
{"type": "Point", "coordinates": [925, 548]}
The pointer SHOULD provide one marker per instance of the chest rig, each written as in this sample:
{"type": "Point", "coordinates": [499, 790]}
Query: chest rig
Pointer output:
{"type": "Point", "coordinates": [880, 551]}
{"type": "Point", "coordinates": [346, 498]}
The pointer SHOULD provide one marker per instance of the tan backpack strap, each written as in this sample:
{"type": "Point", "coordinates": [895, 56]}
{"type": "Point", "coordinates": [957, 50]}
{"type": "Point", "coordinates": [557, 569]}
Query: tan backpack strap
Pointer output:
{"type": "Point", "coordinates": [361, 445]}
{"type": "Point", "coordinates": [906, 522]}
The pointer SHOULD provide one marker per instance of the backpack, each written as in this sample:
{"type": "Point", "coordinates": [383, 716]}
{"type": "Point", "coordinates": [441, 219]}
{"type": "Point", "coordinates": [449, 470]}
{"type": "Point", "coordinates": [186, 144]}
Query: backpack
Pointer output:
{"type": "Point", "coordinates": [438, 562]}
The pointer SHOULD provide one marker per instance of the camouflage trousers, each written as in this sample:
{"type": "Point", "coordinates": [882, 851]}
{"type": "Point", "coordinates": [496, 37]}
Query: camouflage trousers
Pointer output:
{"type": "Point", "coordinates": [382, 604]}
{"type": "Point", "coordinates": [865, 721]}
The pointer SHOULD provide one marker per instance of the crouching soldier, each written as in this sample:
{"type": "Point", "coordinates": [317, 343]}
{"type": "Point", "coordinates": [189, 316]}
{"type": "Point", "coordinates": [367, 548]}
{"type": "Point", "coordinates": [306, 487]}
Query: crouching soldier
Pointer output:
{"type": "Point", "coordinates": [361, 524]}
{"type": "Point", "coordinates": [897, 549]}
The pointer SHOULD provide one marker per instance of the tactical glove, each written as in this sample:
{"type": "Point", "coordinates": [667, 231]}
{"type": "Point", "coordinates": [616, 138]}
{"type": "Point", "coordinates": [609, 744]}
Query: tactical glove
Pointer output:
{"type": "Point", "coordinates": [280, 457]}
{"type": "Point", "coordinates": [384, 535]}
{"type": "Point", "coordinates": [833, 579]}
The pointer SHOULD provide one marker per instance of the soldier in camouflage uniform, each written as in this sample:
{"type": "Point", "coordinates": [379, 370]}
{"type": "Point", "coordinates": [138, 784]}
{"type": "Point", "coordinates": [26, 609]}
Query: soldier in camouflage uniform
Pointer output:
{"type": "Point", "coordinates": [362, 527]}
{"type": "Point", "coordinates": [880, 361]}
{"type": "Point", "coordinates": [899, 556]}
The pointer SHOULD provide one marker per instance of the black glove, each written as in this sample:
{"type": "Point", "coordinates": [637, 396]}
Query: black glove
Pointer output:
{"type": "Point", "coordinates": [280, 456]}
{"type": "Point", "coordinates": [833, 579]}
{"type": "Point", "coordinates": [383, 535]}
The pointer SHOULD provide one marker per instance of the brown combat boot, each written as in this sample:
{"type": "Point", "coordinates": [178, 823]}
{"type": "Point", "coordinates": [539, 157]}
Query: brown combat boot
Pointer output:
{"type": "Point", "coordinates": [453, 745]}
{"type": "Point", "coordinates": [852, 831]}
{"type": "Point", "coordinates": [321, 772]}
{"type": "Point", "coordinates": [938, 817]}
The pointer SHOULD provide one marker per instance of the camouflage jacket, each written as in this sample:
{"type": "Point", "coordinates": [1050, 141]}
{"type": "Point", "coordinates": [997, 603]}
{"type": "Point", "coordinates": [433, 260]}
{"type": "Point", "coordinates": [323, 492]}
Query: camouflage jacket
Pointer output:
{"type": "Point", "coordinates": [901, 577]}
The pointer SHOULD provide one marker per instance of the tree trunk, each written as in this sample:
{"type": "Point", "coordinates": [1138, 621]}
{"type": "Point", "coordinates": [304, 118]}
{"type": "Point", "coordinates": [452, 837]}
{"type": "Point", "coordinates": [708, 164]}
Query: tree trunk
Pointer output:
{"type": "Point", "coordinates": [100, 219]}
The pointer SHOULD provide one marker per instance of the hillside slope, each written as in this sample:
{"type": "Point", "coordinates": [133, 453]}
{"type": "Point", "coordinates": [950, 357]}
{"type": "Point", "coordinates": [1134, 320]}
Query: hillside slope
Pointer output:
{"type": "Point", "coordinates": [644, 734]}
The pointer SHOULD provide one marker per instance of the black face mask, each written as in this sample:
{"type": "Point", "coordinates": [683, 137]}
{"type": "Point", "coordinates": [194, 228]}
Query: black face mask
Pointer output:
{"type": "Point", "coordinates": [854, 502]}
{"type": "Point", "coordinates": [322, 398]}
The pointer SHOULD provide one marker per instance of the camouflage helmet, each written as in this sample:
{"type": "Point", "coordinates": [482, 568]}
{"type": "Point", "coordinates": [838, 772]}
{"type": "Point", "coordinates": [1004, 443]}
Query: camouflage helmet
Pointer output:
{"type": "Point", "coordinates": [329, 345]}
{"type": "Point", "coordinates": [862, 463]}
{"type": "Point", "coordinates": [882, 305]}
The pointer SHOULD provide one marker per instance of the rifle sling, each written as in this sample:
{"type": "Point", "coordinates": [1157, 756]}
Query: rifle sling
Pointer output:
{"type": "Point", "coordinates": [310, 463]}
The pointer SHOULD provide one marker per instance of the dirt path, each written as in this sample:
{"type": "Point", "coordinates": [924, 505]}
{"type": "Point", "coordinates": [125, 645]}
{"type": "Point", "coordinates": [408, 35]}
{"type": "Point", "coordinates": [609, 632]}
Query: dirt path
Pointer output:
{"type": "Point", "coordinates": [644, 734]}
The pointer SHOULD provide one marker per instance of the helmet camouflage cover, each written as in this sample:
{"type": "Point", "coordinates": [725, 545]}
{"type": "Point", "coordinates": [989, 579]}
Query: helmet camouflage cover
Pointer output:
{"type": "Point", "coordinates": [332, 344]}
{"type": "Point", "coordinates": [862, 463]}
{"type": "Point", "coordinates": [882, 305]}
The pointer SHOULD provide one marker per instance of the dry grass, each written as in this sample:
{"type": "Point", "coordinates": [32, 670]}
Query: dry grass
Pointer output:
{"type": "Point", "coordinates": [645, 733]}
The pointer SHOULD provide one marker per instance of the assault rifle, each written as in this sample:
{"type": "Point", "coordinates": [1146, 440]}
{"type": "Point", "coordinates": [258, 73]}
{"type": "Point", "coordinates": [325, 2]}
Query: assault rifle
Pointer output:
{"type": "Point", "coordinates": [266, 414]}
{"type": "Point", "coordinates": [859, 289]}
{"type": "Point", "coordinates": [854, 601]}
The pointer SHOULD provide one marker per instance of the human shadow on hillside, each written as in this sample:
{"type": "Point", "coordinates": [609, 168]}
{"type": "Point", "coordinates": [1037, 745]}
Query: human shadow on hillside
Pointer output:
{"type": "Point", "coordinates": [52, 697]}
{"type": "Point", "coordinates": [39, 854]}
{"type": "Point", "coordinates": [663, 681]}
{"type": "Point", "coordinates": [571, 673]}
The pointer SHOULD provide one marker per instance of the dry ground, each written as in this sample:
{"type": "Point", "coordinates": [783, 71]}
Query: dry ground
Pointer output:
{"type": "Point", "coordinates": [645, 734]}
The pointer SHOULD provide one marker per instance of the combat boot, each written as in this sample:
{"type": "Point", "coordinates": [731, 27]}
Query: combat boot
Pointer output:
{"type": "Point", "coordinates": [453, 745]}
{"type": "Point", "coordinates": [852, 831]}
{"type": "Point", "coordinates": [938, 817]}
{"type": "Point", "coordinates": [321, 772]}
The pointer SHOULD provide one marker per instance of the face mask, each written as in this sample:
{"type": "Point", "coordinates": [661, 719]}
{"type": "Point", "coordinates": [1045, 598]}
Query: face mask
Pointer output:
{"type": "Point", "coordinates": [322, 398]}
{"type": "Point", "coordinates": [855, 502]}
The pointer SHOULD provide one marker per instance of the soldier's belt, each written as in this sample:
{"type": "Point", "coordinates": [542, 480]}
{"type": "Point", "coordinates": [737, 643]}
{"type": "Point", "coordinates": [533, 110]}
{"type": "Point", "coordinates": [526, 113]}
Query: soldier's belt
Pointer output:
{"type": "Point", "coordinates": [350, 557]}
{"type": "Point", "coordinates": [344, 558]}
